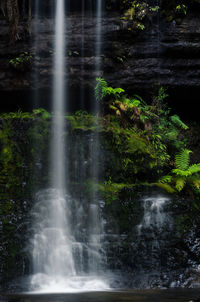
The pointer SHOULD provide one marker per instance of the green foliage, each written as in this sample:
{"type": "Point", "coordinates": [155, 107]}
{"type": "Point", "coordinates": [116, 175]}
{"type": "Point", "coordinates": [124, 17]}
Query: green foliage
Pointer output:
{"type": "Point", "coordinates": [182, 159]}
{"type": "Point", "coordinates": [162, 94]}
{"type": "Point", "coordinates": [177, 121]}
{"type": "Point", "coordinates": [23, 62]}
{"type": "Point", "coordinates": [11, 162]}
{"type": "Point", "coordinates": [16, 115]}
{"type": "Point", "coordinates": [102, 90]}
{"type": "Point", "coordinates": [163, 129]}
{"type": "Point", "coordinates": [169, 189]}
{"type": "Point", "coordinates": [37, 113]}
{"type": "Point", "coordinates": [154, 8]}
{"type": "Point", "coordinates": [184, 175]}
{"type": "Point", "coordinates": [111, 190]}
{"type": "Point", "coordinates": [181, 8]}
{"type": "Point", "coordinates": [41, 112]}
{"type": "Point", "coordinates": [84, 121]}
{"type": "Point", "coordinates": [133, 153]}
{"type": "Point", "coordinates": [135, 13]}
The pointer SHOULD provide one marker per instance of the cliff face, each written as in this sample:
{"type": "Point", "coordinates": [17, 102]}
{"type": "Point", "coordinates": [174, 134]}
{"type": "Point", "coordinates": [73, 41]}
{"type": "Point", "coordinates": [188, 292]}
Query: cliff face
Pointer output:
{"type": "Point", "coordinates": [163, 54]}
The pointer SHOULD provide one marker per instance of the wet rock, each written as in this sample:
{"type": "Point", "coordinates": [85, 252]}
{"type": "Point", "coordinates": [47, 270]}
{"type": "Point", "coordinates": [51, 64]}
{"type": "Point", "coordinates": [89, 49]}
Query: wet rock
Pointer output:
{"type": "Point", "coordinates": [163, 53]}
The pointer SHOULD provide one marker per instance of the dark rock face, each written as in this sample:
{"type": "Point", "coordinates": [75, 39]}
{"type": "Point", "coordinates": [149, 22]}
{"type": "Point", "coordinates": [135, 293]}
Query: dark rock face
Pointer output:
{"type": "Point", "coordinates": [165, 54]}
{"type": "Point", "coordinates": [151, 253]}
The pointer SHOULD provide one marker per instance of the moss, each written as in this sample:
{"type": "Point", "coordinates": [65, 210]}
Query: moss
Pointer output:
{"type": "Point", "coordinates": [23, 138]}
{"type": "Point", "coordinates": [84, 121]}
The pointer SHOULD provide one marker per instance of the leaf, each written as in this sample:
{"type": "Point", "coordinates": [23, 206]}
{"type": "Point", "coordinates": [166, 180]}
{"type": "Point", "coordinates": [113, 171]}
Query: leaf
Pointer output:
{"type": "Point", "coordinates": [177, 121]}
{"type": "Point", "coordinates": [166, 187]}
{"type": "Point", "coordinates": [100, 89]}
{"type": "Point", "coordinates": [195, 180]}
{"type": "Point", "coordinates": [165, 179]}
{"type": "Point", "coordinates": [180, 183]}
{"type": "Point", "coordinates": [194, 168]}
{"type": "Point", "coordinates": [140, 99]}
{"type": "Point", "coordinates": [182, 159]}
{"type": "Point", "coordinates": [183, 173]}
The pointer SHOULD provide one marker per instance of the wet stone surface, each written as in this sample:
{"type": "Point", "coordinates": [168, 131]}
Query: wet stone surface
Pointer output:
{"type": "Point", "coordinates": [174, 295]}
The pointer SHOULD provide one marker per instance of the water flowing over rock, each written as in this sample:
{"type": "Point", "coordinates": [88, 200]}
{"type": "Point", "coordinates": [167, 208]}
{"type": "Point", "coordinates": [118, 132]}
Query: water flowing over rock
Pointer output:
{"type": "Point", "coordinates": [58, 259]}
{"type": "Point", "coordinates": [63, 233]}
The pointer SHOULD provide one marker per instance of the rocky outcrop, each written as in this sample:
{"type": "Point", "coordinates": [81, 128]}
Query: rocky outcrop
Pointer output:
{"type": "Point", "coordinates": [167, 54]}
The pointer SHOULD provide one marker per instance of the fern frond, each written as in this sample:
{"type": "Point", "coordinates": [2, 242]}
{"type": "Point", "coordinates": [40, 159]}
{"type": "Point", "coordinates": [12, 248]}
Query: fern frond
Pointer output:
{"type": "Point", "coordinates": [166, 187]}
{"type": "Point", "coordinates": [100, 89]}
{"type": "Point", "coordinates": [112, 91]}
{"type": "Point", "coordinates": [182, 173]}
{"type": "Point", "coordinates": [172, 134]}
{"type": "Point", "coordinates": [194, 168]}
{"type": "Point", "coordinates": [131, 102]}
{"type": "Point", "coordinates": [177, 121]}
{"type": "Point", "coordinates": [195, 181]}
{"type": "Point", "coordinates": [182, 159]}
{"type": "Point", "coordinates": [165, 179]}
{"type": "Point", "coordinates": [138, 97]}
{"type": "Point", "coordinates": [180, 183]}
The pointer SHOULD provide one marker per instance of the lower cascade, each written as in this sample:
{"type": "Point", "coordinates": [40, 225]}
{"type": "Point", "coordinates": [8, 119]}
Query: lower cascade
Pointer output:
{"type": "Point", "coordinates": [155, 217]}
{"type": "Point", "coordinates": [59, 261]}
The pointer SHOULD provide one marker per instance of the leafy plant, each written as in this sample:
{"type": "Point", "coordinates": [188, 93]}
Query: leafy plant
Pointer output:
{"type": "Point", "coordinates": [102, 89]}
{"type": "Point", "coordinates": [184, 174]}
{"type": "Point", "coordinates": [83, 120]}
{"type": "Point", "coordinates": [177, 121]}
{"type": "Point", "coordinates": [23, 62]}
{"type": "Point", "coordinates": [182, 8]}
{"type": "Point", "coordinates": [41, 112]}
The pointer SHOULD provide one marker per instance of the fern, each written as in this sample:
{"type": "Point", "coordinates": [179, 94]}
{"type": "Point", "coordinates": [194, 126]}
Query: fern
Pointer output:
{"type": "Point", "coordinates": [195, 180]}
{"type": "Point", "coordinates": [172, 134]}
{"type": "Point", "coordinates": [182, 159]}
{"type": "Point", "coordinates": [165, 179]}
{"type": "Point", "coordinates": [177, 121]}
{"type": "Point", "coordinates": [183, 173]}
{"type": "Point", "coordinates": [138, 97]}
{"type": "Point", "coordinates": [194, 168]}
{"type": "Point", "coordinates": [131, 102]}
{"type": "Point", "coordinates": [112, 91]}
{"type": "Point", "coordinates": [100, 89]}
{"type": "Point", "coordinates": [180, 183]}
{"type": "Point", "coordinates": [166, 187]}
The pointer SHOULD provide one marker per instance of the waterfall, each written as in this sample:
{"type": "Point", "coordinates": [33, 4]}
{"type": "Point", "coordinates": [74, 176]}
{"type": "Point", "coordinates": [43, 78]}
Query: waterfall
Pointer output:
{"type": "Point", "coordinates": [52, 245]}
{"type": "Point", "coordinates": [35, 46]}
{"type": "Point", "coordinates": [153, 231]}
{"type": "Point", "coordinates": [98, 47]}
{"type": "Point", "coordinates": [63, 261]}
{"type": "Point", "coordinates": [59, 101]}
{"type": "Point", "coordinates": [96, 251]}
{"type": "Point", "coordinates": [155, 218]}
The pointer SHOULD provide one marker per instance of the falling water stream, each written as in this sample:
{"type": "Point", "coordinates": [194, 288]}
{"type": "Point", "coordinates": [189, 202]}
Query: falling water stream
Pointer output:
{"type": "Point", "coordinates": [55, 249]}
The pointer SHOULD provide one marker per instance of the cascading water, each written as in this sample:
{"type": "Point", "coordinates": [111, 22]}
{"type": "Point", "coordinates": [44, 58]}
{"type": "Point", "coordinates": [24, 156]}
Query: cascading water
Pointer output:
{"type": "Point", "coordinates": [58, 251]}
{"type": "Point", "coordinates": [98, 47]}
{"type": "Point", "coordinates": [52, 245]}
{"type": "Point", "coordinates": [95, 221]}
{"type": "Point", "coordinates": [35, 46]}
{"type": "Point", "coordinates": [155, 218]}
{"type": "Point", "coordinates": [153, 233]}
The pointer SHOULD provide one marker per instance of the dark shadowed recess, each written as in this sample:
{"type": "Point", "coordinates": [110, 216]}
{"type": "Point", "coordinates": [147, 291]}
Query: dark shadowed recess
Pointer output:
{"type": "Point", "coordinates": [11, 101]}
{"type": "Point", "coordinates": [183, 101]}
